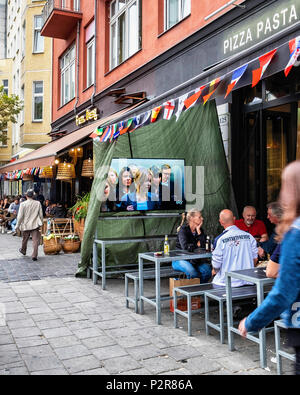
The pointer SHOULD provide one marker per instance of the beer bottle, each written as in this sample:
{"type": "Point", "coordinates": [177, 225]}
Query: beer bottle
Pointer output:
{"type": "Point", "coordinates": [166, 246]}
{"type": "Point", "coordinates": [207, 244]}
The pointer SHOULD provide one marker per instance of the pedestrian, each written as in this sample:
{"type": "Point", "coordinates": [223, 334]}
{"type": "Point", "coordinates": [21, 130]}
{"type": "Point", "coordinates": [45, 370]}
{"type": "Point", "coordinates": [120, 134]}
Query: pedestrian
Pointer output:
{"type": "Point", "coordinates": [285, 294]}
{"type": "Point", "coordinates": [30, 218]}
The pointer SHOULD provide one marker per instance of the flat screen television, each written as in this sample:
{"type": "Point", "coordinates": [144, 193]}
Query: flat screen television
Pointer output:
{"type": "Point", "coordinates": [144, 185]}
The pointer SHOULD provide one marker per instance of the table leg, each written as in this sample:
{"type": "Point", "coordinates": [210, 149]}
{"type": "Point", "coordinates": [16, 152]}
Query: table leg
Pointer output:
{"type": "Point", "coordinates": [157, 288]}
{"type": "Point", "coordinates": [103, 266]}
{"type": "Point", "coordinates": [189, 307]}
{"type": "Point", "coordinates": [175, 308]}
{"type": "Point", "coordinates": [262, 333]}
{"type": "Point", "coordinates": [141, 285]}
{"type": "Point", "coordinates": [95, 262]}
{"type": "Point", "coordinates": [229, 313]}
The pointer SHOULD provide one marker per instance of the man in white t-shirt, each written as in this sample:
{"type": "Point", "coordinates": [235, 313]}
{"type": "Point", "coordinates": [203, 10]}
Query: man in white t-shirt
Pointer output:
{"type": "Point", "coordinates": [234, 249]}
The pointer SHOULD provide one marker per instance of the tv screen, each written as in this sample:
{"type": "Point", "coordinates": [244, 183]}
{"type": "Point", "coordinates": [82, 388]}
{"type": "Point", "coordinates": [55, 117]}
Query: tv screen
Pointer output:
{"type": "Point", "coordinates": [144, 185]}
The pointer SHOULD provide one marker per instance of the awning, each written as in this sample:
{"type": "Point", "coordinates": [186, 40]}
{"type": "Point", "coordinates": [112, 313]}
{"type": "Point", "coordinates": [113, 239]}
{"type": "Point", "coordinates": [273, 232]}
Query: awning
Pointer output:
{"type": "Point", "coordinates": [45, 156]}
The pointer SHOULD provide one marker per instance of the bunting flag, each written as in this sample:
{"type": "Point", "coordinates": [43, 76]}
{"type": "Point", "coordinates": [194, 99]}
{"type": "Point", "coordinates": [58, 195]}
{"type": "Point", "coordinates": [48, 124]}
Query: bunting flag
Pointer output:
{"type": "Point", "coordinates": [106, 134]}
{"type": "Point", "coordinates": [147, 118]}
{"type": "Point", "coordinates": [192, 100]}
{"type": "Point", "coordinates": [169, 108]}
{"type": "Point", "coordinates": [114, 132]}
{"type": "Point", "coordinates": [154, 114]}
{"type": "Point", "coordinates": [236, 76]}
{"type": "Point", "coordinates": [137, 121]}
{"type": "Point", "coordinates": [294, 46]}
{"type": "Point", "coordinates": [97, 133]}
{"type": "Point", "coordinates": [125, 129]}
{"type": "Point", "coordinates": [180, 108]}
{"type": "Point", "coordinates": [264, 62]}
{"type": "Point", "coordinates": [212, 88]}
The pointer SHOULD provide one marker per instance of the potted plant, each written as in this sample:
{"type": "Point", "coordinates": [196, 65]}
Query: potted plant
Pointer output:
{"type": "Point", "coordinates": [79, 211]}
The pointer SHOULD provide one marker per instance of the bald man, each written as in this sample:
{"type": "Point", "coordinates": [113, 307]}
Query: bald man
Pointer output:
{"type": "Point", "coordinates": [234, 249]}
{"type": "Point", "coordinates": [250, 224]}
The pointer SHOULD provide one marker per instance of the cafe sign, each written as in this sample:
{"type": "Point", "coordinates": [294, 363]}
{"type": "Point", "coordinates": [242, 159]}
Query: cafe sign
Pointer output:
{"type": "Point", "coordinates": [263, 24]}
{"type": "Point", "coordinates": [89, 115]}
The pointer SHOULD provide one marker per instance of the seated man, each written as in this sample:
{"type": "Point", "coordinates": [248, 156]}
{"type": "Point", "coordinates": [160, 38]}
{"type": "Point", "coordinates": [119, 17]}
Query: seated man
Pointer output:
{"type": "Point", "coordinates": [13, 210]}
{"type": "Point", "coordinates": [272, 270]}
{"type": "Point", "coordinates": [274, 216]}
{"type": "Point", "coordinates": [234, 250]}
{"type": "Point", "coordinates": [250, 224]}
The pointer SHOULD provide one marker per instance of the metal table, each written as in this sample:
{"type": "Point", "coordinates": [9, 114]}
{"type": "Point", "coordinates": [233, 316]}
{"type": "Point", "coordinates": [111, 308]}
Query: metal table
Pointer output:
{"type": "Point", "coordinates": [258, 277]}
{"type": "Point", "coordinates": [157, 260]}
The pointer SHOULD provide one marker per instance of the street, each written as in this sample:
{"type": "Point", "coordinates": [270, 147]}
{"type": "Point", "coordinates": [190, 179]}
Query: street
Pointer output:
{"type": "Point", "coordinates": [58, 324]}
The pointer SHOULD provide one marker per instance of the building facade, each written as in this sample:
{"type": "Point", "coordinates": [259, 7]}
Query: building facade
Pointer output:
{"type": "Point", "coordinates": [111, 54]}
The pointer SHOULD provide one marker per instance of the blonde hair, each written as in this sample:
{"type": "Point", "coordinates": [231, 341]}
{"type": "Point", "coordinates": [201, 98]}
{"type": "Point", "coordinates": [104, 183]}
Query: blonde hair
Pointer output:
{"type": "Point", "coordinates": [186, 217]}
{"type": "Point", "coordinates": [289, 197]}
{"type": "Point", "coordinates": [142, 176]}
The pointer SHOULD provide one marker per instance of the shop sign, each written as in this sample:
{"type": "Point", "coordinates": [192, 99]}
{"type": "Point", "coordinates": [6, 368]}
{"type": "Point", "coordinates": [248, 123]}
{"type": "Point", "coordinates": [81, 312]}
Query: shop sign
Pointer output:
{"type": "Point", "coordinates": [89, 115]}
{"type": "Point", "coordinates": [265, 23]}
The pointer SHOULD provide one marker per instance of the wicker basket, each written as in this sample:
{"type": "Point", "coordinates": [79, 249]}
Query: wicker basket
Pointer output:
{"type": "Point", "coordinates": [47, 172]}
{"type": "Point", "coordinates": [70, 246]}
{"type": "Point", "coordinates": [52, 246]}
{"type": "Point", "coordinates": [65, 171]}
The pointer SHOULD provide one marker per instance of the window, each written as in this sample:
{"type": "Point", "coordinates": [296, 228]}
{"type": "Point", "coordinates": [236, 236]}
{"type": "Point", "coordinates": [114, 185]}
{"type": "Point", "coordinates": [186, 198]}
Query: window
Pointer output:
{"type": "Point", "coordinates": [5, 86]}
{"type": "Point", "coordinates": [38, 40]}
{"type": "Point", "coordinates": [3, 141]}
{"type": "Point", "coordinates": [90, 53]}
{"type": "Point", "coordinates": [38, 93]}
{"type": "Point", "coordinates": [175, 11]}
{"type": "Point", "coordinates": [125, 30]}
{"type": "Point", "coordinates": [23, 39]}
{"type": "Point", "coordinates": [67, 75]}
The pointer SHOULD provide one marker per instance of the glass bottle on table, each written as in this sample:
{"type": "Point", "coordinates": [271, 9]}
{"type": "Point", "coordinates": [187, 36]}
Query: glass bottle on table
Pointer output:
{"type": "Point", "coordinates": [166, 246]}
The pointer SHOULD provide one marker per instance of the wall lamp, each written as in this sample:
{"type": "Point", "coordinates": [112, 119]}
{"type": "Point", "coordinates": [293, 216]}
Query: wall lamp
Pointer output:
{"type": "Point", "coordinates": [232, 2]}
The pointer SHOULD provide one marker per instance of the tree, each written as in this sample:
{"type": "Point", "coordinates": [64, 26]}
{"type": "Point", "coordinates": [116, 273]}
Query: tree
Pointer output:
{"type": "Point", "coordinates": [10, 107]}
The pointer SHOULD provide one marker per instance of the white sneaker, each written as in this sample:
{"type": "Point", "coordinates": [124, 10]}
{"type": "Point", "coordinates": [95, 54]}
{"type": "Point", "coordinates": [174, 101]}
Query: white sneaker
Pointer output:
{"type": "Point", "coordinates": [9, 232]}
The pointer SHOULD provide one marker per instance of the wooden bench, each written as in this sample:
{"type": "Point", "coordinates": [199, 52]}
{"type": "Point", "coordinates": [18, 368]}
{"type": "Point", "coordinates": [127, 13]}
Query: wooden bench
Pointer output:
{"type": "Point", "coordinates": [188, 291]}
{"type": "Point", "coordinates": [279, 324]}
{"type": "Point", "coordinates": [149, 274]}
{"type": "Point", "coordinates": [59, 226]}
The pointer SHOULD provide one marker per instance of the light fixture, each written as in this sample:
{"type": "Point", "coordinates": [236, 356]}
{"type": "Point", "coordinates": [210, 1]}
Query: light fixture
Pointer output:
{"type": "Point", "coordinates": [56, 161]}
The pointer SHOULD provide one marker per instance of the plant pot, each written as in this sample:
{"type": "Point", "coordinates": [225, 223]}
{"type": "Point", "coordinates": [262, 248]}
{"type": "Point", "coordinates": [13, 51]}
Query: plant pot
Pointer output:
{"type": "Point", "coordinates": [79, 227]}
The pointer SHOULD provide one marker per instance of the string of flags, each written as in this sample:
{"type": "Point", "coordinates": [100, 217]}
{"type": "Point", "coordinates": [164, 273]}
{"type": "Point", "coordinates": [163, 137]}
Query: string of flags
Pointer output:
{"type": "Point", "coordinates": [18, 174]}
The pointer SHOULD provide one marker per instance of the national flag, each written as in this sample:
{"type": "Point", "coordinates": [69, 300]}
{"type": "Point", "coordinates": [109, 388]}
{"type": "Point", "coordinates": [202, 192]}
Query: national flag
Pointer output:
{"type": "Point", "coordinates": [106, 135]}
{"type": "Point", "coordinates": [211, 90]}
{"type": "Point", "coordinates": [294, 46]}
{"type": "Point", "coordinates": [264, 62]}
{"type": "Point", "coordinates": [192, 100]}
{"type": "Point", "coordinates": [147, 117]}
{"type": "Point", "coordinates": [180, 108]}
{"type": "Point", "coordinates": [115, 132]}
{"type": "Point", "coordinates": [154, 114]}
{"type": "Point", "coordinates": [137, 121]}
{"type": "Point", "coordinates": [169, 108]}
{"type": "Point", "coordinates": [125, 129]}
{"type": "Point", "coordinates": [236, 76]}
{"type": "Point", "coordinates": [97, 133]}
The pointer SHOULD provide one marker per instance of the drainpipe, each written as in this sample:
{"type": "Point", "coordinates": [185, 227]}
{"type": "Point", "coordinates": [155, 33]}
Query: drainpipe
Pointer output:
{"type": "Point", "coordinates": [77, 66]}
{"type": "Point", "coordinates": [95, 57]}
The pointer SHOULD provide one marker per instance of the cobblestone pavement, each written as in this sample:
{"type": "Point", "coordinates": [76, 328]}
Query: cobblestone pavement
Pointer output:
{"type": "Point", "coordinates": [59, 324]}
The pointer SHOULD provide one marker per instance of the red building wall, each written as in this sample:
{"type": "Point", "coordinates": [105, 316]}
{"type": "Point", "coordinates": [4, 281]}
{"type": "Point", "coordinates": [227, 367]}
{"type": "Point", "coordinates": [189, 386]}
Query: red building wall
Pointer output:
{"type": "Point", "coordinates": [154, 42]}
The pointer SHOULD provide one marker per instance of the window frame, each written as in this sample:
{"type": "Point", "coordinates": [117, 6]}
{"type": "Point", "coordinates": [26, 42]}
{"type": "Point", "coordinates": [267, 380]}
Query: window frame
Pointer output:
{"type": "Point", "coordinates": [37, 32]}
{"type": "Point", "coordinates": [66, 71]}
{"type": "Point", "coordinates": [34, 96]}
{"type": "Point", "coordinates": [90, 76]}
{"type": "Point", "coordinates": [181, 15]}
{"type": "Point", "coordinates": [114, 21]}
{"type": "Point", "coordinates": [5, 86]}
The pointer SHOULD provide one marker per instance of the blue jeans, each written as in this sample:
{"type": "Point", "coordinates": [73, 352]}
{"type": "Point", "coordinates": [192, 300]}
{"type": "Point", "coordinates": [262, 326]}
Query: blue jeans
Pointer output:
{"type": "Point", "coordinates": [201, 270]}
{"type": "Point", "coordinates": [13, 224]}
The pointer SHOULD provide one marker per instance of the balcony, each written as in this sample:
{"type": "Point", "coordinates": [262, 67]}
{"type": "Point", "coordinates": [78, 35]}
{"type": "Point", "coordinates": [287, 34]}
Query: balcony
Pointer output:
{"type": "Point", "coordinates": [60, 17]}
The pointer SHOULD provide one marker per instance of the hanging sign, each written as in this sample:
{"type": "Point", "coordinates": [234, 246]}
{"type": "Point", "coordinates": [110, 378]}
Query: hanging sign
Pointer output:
{"type": "Point", "coordinates": [89, 115]}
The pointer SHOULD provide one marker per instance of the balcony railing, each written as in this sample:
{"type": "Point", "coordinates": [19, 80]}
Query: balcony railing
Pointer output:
{"type": "Point", "coordinates": [64, 5]}
{"type": "Point", "coordinates": [59, 17]}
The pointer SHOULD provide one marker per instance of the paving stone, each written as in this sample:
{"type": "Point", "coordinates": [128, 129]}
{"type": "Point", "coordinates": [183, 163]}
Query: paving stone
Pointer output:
{"type": "Point", "coordinates": [120, 364]}
{"type": "Point", "coordinates": [180, 353]}
{"type": "Point", "coordinates": [202, 365]}
{"type": "Point", "coordinates": [6, 339]}
{"type": "Point", "coordinates": [144, 352]}
{"type": "Point", "coordinates": [93, 372]}
{"type": "Point", "coordinates": [49, 324]}
{"type": "Point", "coordinates": [51, 372]}
{"type": "Point", "coordinates": [97, 342]}
{"type": "Point", "coordinates": [21, 323]}
{"type": "Point", "coordinates": [82, 364]}
{"type": "Point", "coordinates": [10, 357]}
{"type": "Point", "coordinates": [35, 364]}
{"type": "Point", "coordinates": [136, 372]}
{"type": "Point", "coordinates": [76, 350]}
{"type": "Point", "coordinates": [161, 364]}
{"type": "Point", "coordinates": [56, 332]}
{"type": "Point", "coordinates": [25, 332]}
{"type": "Point", "coordinates": [235, 362]}
{"type": "Point", "coordinates": [109, 352]}
{"type": "Point", "coordinates": [30, 341]}
{"type": "Point", "coordinates": [37, 351]}
{"type": "Point", "coordinates": [63, 341]}
{"type": "Point", "coordinates": [87, 333]}
{"type": "Point", "coordinates": [18, 371]}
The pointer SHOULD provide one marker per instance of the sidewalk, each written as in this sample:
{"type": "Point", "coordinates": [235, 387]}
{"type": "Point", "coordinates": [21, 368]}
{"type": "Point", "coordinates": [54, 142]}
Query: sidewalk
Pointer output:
{"type": "Point", "coordinates": [59, 324]}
